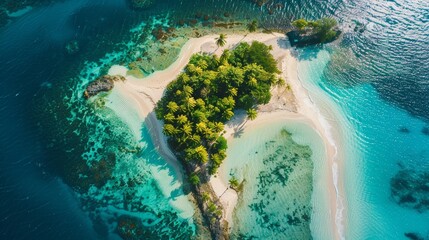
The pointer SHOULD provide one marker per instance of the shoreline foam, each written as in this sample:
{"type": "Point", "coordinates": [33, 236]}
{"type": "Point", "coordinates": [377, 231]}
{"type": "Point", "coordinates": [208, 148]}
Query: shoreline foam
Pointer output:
{"type": "Point", "coordinates": [325, 118]}
{"type": "Point", "coordinates": [147, 91]}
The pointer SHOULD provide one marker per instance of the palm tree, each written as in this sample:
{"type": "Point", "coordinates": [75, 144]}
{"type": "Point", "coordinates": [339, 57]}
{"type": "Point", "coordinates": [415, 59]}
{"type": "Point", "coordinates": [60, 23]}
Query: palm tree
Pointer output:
{"type": "Point", "coordinates": [221, 40]}
{"type": "Point", "coordinates": [253, 82]}
{"type": "Point", "coordinates": [218, 126]}
{"type": "Point", "coordinates": [227, 115]}
{"type": "Point", "coordinates": [201, 127]}
{"type": "Point", "coordinates": [223, 60]}
{"type": "Point", "coordinates": [182, 119]}
{"type": "Point", "coordinates": [200, 102]}
{"type": "Point", "coordinates": [201, 154]}
{"type": "Point", "coordinates": [205, 197]}
{"type": "Point", "coordinates": [172, 106]}
{"type": "Point", "coordinates": [252, 26]}
{"type": "Point", "coordinates": [195, 138]}
{"type": "Point", "coordinates": [188, 90]}
{"type": "Point", "coordinates": [169, 129]}
{"type": "Point", "coordinates": [194, 179]}
{"type": "Point", "coordinates": [233, 92]}
{"type": "Point", "coordinates": [187, 129]}
{"type": "Point", "coordinates": [251, 114]}
{"type": "Point", "coordinates": [190, 103]}
{"type": "Point", "coordinates": [199, 116]}
{"type": "Point", "coordinates": [169, 117]}
{"type": "Point", "coordinates": [233, 182]}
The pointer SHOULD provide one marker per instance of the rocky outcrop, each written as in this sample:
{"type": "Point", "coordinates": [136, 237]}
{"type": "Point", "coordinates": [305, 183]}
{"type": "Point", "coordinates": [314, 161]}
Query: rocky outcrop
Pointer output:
{"type": "Point", "coordinates": [299, 39]}
{"type": "Point", "coordinates": [72, 47]}
{"type": "Point", "coordinates": [102, 84]}
{"type": "Point", "coordinates": [218, 226]}
{"type": "Point", "coordinates": [209, 204]}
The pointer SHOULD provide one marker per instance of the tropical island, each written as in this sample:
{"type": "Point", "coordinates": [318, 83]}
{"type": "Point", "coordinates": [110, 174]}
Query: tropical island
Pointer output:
{"type": "Point", "coordinates": [201, 100]}
{"type": "Point", "coordinates": [148, 119]}
{"type": "Point", "coordinates": [204, 100]}
{"type": "Point", "coordinates": [192, 111]}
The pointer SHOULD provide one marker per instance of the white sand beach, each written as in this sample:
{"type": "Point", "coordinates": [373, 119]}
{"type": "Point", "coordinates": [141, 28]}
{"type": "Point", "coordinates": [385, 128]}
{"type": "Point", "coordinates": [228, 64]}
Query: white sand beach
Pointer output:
{"type": "Point", "coordinates": [144, 93]}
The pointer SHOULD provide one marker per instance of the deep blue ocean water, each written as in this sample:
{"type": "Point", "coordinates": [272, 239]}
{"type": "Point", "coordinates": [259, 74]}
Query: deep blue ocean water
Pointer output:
{"type": "Point", "coordinates": [384, 54]}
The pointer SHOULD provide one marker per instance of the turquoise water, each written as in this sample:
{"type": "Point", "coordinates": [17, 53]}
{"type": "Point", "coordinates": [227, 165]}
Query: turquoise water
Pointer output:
{"type": "Point", "coordinates": [58, 176]}
{"type": "Point", "coordinates": [382, 140]}
{"type": "Point", "coordinates": [283, 170]}
{"type": "Point", "coordinates": [136, 194]}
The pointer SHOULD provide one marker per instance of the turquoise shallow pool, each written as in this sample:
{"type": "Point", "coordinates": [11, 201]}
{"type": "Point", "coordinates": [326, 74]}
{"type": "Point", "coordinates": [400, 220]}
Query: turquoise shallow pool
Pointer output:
{"type": "Point", "coordinates": [382, 141]}
{"type": "Point", "coordinates": [282, 166]}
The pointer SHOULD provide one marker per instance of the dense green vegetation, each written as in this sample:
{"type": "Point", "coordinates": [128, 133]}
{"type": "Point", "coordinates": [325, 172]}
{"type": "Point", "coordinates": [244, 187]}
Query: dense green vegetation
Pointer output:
{"type": "Point", "coordinates": [198, 103]}
{"type": "Point", "coordinates": [323, 28]}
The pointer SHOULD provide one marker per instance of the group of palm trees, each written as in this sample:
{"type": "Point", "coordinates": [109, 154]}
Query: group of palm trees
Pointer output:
{"type": "Point", "coordinates": [221, 40]}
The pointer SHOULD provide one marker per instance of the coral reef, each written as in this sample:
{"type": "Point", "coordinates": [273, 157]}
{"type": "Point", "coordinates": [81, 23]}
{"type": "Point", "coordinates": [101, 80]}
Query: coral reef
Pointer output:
{"type": "Point", "coordinates": [410, 188]}
{"type": "Point", "coordinates": [141, 4]}
{"type": "Point", "coordinates": [102, 84]}
{"type": "Point", "coordinates": [72, 47]}
{"type": "Point", "coordinates": [413, 236]}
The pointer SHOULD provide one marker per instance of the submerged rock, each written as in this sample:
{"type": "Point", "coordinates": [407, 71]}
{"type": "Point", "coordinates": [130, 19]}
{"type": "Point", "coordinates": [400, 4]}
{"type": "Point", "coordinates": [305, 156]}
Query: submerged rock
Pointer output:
{"type": "Point", "coordinates": [141, 4]}
{"type": "Point", "coordinates": [413, 236]}
{"type": "Point", "coordinates": [72, 47]}
{"type": "Point", "coordinates": [360, 27]}
{"type": "Point", "coordinates": [410, 188]}
{"type": "Point", "coordinates": [102, 84]}
{"type": "Point", "coordinates": [404, 130]}
{"type": "Point", "coordinates": [425, 131]}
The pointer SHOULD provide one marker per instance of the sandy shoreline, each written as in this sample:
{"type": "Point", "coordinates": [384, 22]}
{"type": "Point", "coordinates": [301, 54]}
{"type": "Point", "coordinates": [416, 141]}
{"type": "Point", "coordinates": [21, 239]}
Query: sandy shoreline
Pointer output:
{"type": "Point", "coordinates": [144, 93]}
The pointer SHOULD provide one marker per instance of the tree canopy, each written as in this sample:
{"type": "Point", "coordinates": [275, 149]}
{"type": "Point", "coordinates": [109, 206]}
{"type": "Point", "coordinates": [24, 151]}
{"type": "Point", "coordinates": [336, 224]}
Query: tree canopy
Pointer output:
{"type": "Point", "coordinates": [323, 27]}
{"type": "Point", "coordinates": [204, 96]}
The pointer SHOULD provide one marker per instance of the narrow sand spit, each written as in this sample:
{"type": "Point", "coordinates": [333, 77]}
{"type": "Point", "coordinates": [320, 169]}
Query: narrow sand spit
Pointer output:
{"type": "Point", "coordinates": [145, 93]}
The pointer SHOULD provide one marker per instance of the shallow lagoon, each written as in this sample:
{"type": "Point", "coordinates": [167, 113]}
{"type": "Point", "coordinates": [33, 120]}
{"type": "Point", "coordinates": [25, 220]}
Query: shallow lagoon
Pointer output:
{"type": "Point", "coordinates": [284, 169]}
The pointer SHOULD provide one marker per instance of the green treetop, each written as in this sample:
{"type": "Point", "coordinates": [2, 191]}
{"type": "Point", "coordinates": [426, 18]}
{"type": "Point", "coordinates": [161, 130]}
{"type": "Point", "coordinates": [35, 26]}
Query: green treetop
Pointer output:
{"type": "Point", "coordinates": [221, 40]}
{"type": "Point", "coordinates": [323, 27]}
{"type": "Point", "coordinates": [251, 114]}
{"type": "Point", "coordinates": [252, 26]}
{"type": "Point", "coordinates": [202, 98]}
